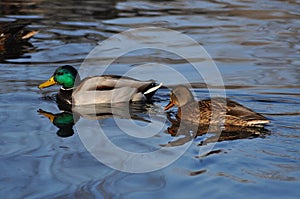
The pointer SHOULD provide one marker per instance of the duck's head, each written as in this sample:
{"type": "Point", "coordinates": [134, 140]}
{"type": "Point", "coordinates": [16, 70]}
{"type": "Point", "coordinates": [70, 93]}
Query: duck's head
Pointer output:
{"type": "Point", "coordinates": [179, 96]}
{"type": "Point", "coordinates": [63, 75]}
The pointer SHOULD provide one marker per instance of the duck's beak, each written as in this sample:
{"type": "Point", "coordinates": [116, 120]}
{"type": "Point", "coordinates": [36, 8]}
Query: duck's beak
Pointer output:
{"type": "Point", "coordinates": [49, 82]}
{"type": "Point", "coordinates": [170, 105]}
{"type": "Point", "coordinates": [49, 115]}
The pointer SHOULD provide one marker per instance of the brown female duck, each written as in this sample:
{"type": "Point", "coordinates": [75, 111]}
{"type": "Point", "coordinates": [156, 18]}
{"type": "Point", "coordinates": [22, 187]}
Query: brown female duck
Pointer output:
{"type": "Point", "coordinates": [213, 111]}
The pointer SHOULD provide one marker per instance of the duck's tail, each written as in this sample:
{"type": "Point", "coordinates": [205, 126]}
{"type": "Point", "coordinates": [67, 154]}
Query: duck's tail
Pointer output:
{"type": "Point", "coordinates": [151, 91]}
{"type": "Point", "coordinates": [258, 122]}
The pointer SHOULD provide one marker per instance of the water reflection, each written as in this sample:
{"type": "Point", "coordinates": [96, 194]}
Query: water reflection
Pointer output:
{"type": "Point", "coordinates": [66, 119]}
{"type": "Point", "coordinates": [8, 7]}
{"type": "Point", "coordinates": [104, 9]}
{"type": "Point", "coordinates": [15, 52]}
{"type": "Point", "coordinates": [213, 133]}
{"type": "Point", "coordinates": [179, 130]}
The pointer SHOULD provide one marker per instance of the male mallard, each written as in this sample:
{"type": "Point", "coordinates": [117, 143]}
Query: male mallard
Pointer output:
{"type": "Point", "coordinates": [98, 89]}
{"type": "Point", "coordinates": [201, 112]}
{"type": "Point", "coordinates": [14, 32]}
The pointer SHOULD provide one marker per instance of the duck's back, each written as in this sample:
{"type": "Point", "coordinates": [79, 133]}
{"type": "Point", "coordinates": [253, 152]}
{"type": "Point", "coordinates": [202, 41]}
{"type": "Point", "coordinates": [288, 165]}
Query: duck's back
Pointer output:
{"type": "Point", "coordinates": [235, 113]}
{"type": "Point", "coordinates": [243, 113]}
{"type": "Point", "coordinates": [111, 89]}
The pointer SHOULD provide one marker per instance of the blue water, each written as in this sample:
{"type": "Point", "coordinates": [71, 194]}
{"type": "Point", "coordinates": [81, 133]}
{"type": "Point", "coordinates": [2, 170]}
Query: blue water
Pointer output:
{"type": "Point", "coordinates": [255, 46]}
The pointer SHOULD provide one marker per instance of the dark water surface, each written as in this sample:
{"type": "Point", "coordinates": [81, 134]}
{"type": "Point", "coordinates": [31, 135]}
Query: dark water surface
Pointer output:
{"type": "Point", "coordinates": [256, 48]}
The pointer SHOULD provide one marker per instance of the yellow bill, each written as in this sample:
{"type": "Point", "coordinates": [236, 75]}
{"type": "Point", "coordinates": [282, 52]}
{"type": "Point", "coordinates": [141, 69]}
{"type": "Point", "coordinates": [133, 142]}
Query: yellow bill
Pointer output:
{"type": "Point", "coordinates": [49, 82]}
{"type": "Point", "coordinates": [50, 116]}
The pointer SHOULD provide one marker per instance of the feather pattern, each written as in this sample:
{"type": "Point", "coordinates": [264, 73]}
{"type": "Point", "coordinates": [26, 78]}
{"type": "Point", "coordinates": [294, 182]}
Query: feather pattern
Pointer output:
{"type": "Point", "coordinates": [14, 32]}
{"type": "Point", "coordinates": [213, 111]}
{"type": "Point", "coordinates": [98, 89]}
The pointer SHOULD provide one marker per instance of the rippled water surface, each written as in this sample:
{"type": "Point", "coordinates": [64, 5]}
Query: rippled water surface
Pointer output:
{"type": "Point", "coordinates": [255, 46]}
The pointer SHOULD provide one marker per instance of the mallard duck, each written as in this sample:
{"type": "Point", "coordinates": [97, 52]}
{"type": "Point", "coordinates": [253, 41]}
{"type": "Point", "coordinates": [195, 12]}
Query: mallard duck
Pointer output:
{"type": "Point", "coordinates": [201, 111]}
{"type": "Point", "coordinates": [99, 89]}
{"type": "Point", "coordinates": [14, 33]}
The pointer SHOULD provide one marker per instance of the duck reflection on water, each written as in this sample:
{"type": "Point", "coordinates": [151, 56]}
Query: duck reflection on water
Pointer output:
{"type": "Point", "coordinates": [63, 120]}
{"type": "Point", "coordinates": [67, 118]}
{"type": "Point", "coordinates": [210, 133]}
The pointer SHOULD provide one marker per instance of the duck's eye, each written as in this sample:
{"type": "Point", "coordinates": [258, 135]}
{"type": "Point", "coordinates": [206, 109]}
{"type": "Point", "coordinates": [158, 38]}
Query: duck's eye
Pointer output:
{"type": "Point", "coordinates": [60, 73]}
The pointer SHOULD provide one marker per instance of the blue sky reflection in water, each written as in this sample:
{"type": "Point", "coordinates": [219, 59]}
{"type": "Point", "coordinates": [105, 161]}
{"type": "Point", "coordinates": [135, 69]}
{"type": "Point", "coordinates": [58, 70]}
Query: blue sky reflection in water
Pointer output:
{"type": "Point", "coordinates": [254, 45]}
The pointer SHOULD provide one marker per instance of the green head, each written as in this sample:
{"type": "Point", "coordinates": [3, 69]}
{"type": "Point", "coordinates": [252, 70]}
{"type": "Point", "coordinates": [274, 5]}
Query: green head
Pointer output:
{"type": "Point", "coordinates": [64, 75]}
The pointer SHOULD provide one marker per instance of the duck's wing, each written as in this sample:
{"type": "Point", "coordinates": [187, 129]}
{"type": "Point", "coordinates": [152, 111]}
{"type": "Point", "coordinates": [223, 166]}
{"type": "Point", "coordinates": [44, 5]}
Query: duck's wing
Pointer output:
{"type": "Point", "coordinates": [234, 112]}
{"type": "Point", "coordinates": [116, 95]}
{"type": "Point", "coordinates": [110, 82]}
{"type": "Point", "coordinates": [111, 89]}
{"type": "Point", "coordinates": [237, 110]}
{"type": "Point", "coordinates": [116, 81]}
{"type": "Point", "coordinates": [113, 82]}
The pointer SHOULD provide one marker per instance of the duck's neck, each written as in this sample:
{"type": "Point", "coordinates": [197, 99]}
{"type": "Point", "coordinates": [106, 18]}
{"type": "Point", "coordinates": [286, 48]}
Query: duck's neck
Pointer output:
{"type": "Point", "coordinates": [179, 112]}
{"type": "Point", "coordinates": [67, 89]}
{"type": "Point", "coordinates": [64, 96]}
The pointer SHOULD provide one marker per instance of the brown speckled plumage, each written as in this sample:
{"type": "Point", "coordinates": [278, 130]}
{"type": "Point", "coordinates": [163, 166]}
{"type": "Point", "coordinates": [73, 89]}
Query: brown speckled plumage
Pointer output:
{"type": "Point", "coordinates": [216, 111]}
